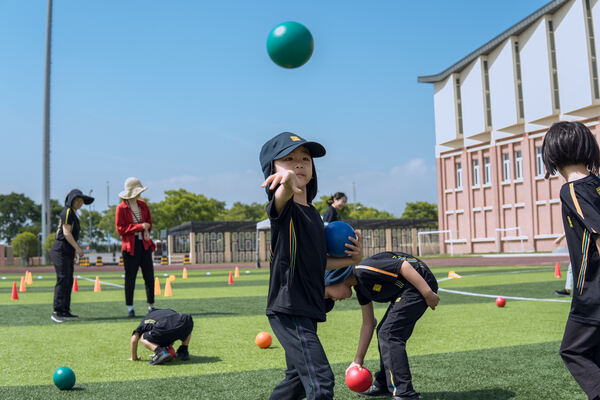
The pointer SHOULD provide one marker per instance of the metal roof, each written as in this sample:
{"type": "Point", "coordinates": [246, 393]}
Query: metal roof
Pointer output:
{"type": "Point", "coordinates": [516, 29]}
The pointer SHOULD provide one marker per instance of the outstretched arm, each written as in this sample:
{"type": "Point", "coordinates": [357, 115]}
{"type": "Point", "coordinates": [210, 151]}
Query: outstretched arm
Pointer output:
{"type": "Point", "coordinates": [415, 279]}
{"type": "Point", "coordinates": [366, 334]}
{"type": "Point", "coordinates": [134, 344]}
{"type": "Point", "coordinates": [286, 183]}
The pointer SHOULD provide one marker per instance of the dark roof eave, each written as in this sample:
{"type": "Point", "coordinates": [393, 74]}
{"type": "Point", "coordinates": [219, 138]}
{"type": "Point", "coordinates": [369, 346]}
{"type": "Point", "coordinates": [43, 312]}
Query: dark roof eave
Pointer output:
{"type": "Point", "coordinates": [489, 46]}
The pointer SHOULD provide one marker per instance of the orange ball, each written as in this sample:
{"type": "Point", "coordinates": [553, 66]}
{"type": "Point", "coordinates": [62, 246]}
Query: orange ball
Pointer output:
{"type": "Point", "coordinates": [263, 340]}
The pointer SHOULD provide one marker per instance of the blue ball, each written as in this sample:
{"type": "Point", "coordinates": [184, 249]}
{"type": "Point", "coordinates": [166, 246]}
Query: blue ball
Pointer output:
{"type": "Point", "coordinates": [336, 234]}
{"type": "Point", "coordinates": [64, 378]}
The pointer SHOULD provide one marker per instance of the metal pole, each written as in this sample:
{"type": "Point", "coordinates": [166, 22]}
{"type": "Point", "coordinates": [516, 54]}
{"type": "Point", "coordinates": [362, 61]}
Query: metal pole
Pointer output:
{"type": "Point", "coordinates": [46, 141]}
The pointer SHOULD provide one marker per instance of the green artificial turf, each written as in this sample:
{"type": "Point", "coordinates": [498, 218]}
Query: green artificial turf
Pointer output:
{"type": "Point", "coordinates": [465, 349]}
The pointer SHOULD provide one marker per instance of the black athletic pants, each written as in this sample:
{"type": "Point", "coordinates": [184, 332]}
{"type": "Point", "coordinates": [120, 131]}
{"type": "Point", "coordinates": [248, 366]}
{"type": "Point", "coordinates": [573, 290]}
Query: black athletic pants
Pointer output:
{"type": "Point", "coordinates": [308, 373]}
{"type": "Point", "coordinates": [141, 258]}
{"type": "Point", "coordinates": [63, 261]}
{"type": "Point", "coordinates": [393, 331]}
{"type": "Point", "coordinates": [580, 351]}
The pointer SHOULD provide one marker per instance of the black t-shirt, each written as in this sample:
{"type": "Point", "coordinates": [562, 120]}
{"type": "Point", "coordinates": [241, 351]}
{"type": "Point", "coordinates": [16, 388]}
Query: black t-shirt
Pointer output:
{"type": "Point", "coordinates": [298, 261]}
{"type": "Point", "coordinates": [164, 319]}
{"type": "Point", "coordinates": [379, 279]}
{"type": "Point", "coordinates": [581, 218]}
{"type": "Point", "coordinates": [330, 215]}
{"type": "Point", "coordinates": [69, 217]}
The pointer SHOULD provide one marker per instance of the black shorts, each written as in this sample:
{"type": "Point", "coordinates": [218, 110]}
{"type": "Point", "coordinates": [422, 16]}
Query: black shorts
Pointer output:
{"type": "Point", "coordinates": [165, 337]}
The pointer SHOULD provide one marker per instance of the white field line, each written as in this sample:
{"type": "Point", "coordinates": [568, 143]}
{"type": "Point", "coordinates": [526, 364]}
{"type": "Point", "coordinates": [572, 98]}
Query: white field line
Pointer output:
{"type": "Point", "coordinates": [493, 296]}
{"type": "Point", "coordinates": [102, 282]}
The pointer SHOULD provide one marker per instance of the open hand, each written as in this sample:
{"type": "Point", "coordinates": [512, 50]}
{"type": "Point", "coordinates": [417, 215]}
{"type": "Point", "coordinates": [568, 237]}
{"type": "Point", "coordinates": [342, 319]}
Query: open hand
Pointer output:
{"type": "Point", "coordinates": [355, 250]}
{"type": "Point", "coordinates": [287, 178]}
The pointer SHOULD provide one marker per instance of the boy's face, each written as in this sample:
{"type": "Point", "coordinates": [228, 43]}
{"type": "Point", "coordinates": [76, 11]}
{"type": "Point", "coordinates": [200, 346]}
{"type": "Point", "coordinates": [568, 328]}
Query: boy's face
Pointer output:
{"type": "Point", "coordinates": [298, 161]}
{"type": "Point", "coordinates": [340, 291]}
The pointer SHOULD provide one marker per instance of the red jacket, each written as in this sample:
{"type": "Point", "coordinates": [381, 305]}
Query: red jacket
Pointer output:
{"type": "Point", "coordinates": [127, 229]}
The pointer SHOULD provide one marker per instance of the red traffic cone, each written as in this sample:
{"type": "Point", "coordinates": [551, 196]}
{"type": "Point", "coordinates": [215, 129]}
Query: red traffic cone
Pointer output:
{"type": "Point", "coordinates": [23, 287]}
{"type": "Point", "coordinates": [15, 295]}
{"type": "Point", "coordinates": [557, 274]}
{"type": "Point", "coordinates": [75, 285]}
{"type": "Point", "coordinates": [230, 281]}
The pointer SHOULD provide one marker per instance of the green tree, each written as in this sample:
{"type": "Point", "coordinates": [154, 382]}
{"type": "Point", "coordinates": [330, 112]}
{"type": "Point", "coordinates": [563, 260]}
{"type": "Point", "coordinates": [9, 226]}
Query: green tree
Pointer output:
{"type": "Point", "coordinates": [16, 212]}
{"type": "Point", "coordinates": [360, 211]}
{"type": "Point", "coordinates": [107, 222]}
{"type": "Point", "coordinates": [47, 245]}
{"type": "Point", "coordinates": [25, 245]}
{"type": "Point", "coordinates": [90, 230]}
{"type": "Point", "coordinates": [181, 206]}
{"type": "Point", "coordinates": [420, 210]}
{"type": "Point", "coordinates": [243, 212]}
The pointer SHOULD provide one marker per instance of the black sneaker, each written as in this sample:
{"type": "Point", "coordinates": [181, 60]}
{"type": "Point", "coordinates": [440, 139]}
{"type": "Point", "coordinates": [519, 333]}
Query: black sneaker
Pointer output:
{"type": "Point", "coordinates": [150, 309]}
{"type": "Point", "coordinates": [131, 314]}
{"type": "Point", "coordinates": [182, 354]}
{"type": "Point", "coordinates": [562, 292]}
{"type": "Point", "coordinates": [69, 315]}
{"type": "Point", "coordinates": [56, 317]}
{"type": "Point", "coordinates": [375, 390]}
{"type": "Point", "coordinates": [412, 397]}
{"type": "Point", "coordinates": [161, 354]}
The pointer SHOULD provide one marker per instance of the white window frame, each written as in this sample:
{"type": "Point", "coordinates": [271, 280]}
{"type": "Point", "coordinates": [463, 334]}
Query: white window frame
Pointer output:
{"type": "Point", "coordinates": [518, 166]}
{"type": "Point", "coordinates": [540, 170]}
{"type": "Point", "coordinates": [476, 173]}
{"type": "Point", "coordinates": [505, 168]}
{"type": "Point", "coordinates": [459, 177]}
{"type": "Point", "coordinates": [487, 171]}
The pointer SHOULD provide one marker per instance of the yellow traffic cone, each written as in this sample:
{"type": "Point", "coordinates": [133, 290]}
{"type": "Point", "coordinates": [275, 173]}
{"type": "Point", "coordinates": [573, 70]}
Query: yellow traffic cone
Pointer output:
{"type": "Point", "coordinates": [184, 275]}
{"type": "Point", "coordinates": [168, 289]}
{"type": "Point", "coordinates": [157, 286]}
{"type": "Point", "coordinates": [453, 275]}
{"type": "Point", "coordinates": [28, 278]}
{"type": "Point", "coordinates": [237, 272]}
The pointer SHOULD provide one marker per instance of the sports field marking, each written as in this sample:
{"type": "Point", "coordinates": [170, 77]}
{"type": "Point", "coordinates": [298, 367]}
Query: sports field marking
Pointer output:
{"type": "Point", "coordinates": [493, 296]}
{"type": "Point", "coordinates": [102, 282]}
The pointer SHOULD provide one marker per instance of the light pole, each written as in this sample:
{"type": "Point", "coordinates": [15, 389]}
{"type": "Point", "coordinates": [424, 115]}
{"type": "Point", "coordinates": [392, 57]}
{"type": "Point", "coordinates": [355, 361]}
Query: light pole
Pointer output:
{"type": "Point", "coordinates": [90, 214]}
{"type": "Point", "coordinates": [46, 136]}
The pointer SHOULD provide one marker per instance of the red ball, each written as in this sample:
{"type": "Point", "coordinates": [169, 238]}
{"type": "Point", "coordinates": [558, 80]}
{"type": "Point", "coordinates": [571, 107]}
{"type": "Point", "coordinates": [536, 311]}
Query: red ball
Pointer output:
{"type": "Point", "coordinates": [500, 301]}
{"type": "Point", "coordinates": [263, 340]}
{"type": "Point", "coordinates": [359, 379]}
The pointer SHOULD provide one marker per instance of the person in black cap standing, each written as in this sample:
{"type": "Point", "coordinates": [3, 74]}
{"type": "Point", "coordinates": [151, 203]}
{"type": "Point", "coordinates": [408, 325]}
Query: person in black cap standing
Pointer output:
{"type": "Point", "coordinates": [295, 301]}
{"type": "Point", "coordinates": [409, 286]}
{"type": "Point", "coordinates": [64, 252]}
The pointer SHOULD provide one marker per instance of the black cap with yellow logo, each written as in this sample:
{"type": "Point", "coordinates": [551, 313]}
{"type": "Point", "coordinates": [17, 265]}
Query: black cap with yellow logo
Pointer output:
{"type": "Point", "coordinates": [282, 145]}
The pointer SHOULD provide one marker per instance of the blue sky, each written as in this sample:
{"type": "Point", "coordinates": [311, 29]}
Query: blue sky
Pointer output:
{"type": "Point", "coordinates": [182, 94]}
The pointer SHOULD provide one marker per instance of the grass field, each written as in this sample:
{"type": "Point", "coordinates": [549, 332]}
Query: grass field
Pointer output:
{"type": "Point", "coordinates": [466, 349]}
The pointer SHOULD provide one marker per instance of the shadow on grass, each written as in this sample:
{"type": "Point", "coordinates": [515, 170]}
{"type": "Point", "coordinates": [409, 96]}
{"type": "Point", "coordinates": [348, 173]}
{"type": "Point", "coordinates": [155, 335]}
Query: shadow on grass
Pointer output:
{"type": "Point", "coordinates": [488, 394]}
{"type": "Point", "coordinates": [193, 360]}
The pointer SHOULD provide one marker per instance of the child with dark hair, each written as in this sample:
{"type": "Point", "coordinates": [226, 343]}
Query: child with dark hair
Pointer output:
{"type": "Point", "coordinates": [572, 150]}
{"type": "Point", "coordinates": [295, 302]}
{"type": "Point", "coordinates": [337, 202]}
{"type": "Point", "coordinates": [407, 284]}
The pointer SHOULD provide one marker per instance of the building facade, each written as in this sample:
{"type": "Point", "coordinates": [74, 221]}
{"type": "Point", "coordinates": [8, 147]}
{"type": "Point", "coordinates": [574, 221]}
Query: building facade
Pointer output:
{"type": "Point", "coordinates": [492, 110]}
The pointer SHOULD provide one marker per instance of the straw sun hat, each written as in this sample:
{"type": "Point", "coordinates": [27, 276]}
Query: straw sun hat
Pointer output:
{"type": "Point", "coordinates": [133, 187]}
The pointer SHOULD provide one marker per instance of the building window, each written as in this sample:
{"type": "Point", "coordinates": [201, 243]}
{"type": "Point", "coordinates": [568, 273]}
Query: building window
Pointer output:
{"type": "Point", "coordinates": [505, 167]}
{"type": "Point", "coordinates": [475, 173]}
{"type": "Point", "coordinates": [488, 102]}
{"type": "Point", "coordinates": [555, 97]}
{"type": "Point", "coordinates": [518, 165]}
{"type": "Point", "coordinates": [487, 171]}
{"type": "Point", "coordinates": [592, 47]}
{"type": "Point", "coordinates": [459, 107]}
{"type": "Point", "coordinates": [519, 84]}
{"type": "Point", "coordinates": [539, 162]}
{"type": "Point", "coordinates": [459, 175]}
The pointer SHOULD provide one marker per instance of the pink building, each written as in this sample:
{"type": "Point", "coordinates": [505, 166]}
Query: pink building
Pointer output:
{"type": "Point", "coordinates": [492, 109]}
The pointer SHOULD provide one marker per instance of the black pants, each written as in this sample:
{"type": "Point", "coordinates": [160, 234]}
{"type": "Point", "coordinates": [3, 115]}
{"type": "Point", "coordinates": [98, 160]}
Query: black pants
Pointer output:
{"type": "Point", "coordinates": [63, 261]}
{"type": "Point", "coordinates": [580, 351]}
{"type": "Point", "coordinates": [308, 373]}
{"type": "Point", "coordinates": [141, 258]}
{"type": "Point", "coordinates": [393, 331]}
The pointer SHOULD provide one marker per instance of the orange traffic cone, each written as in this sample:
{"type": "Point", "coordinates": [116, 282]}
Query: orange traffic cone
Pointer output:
{"type": "Point", "coordinates": [157, 286]}
{"type": "Point", "coordinates": [453, 275]}
{"type": "Point", "coordinates": [97, 287]}
{"type": "Point", "coordinates": [15, 295]}
{"type": "Point", "coordinates": [28, 278]}
{"type": "Point", "coordinates": [237, 272]}
{"type": "Point", "coordinates": [75, 285]}
{"type": "Point", "coordinates": [171, 278]}
{"type": "Point", "coordinates": [23, 287]}
{"type": "Point", "coordinates": [168, 289]}
{"type": "Point", "coordinates": [184, 275]}
{"type": "Point", "coordinates": [557, 274]}
{"type": "Point", "coordinates": [230, 281]}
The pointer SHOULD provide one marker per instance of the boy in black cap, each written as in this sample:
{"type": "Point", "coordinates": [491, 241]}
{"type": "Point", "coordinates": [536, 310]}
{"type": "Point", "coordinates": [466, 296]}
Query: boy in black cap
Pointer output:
{"type": "Point", "coordinates": [158, 331]}
{"type": "Point", "coordinates": [295, 301]}
{"type": "Point", "coordinates": [409, 286]}
{"type": "Point", "coordinates": [571, 149]}
{"type": "Point", "coordinates": [64, 252]}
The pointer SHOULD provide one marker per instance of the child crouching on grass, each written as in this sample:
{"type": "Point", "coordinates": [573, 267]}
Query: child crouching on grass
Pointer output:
{"type": "Point", "coordinates": [158, 331]}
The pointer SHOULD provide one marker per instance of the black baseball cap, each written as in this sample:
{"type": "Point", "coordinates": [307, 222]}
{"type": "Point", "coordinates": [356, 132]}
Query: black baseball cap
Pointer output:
{"type": "Point", "coordinates": [282, 145]}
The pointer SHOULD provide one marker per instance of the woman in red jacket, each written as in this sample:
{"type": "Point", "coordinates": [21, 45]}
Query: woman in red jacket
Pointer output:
{"type": "Point", "coordinates": [134, 224]}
